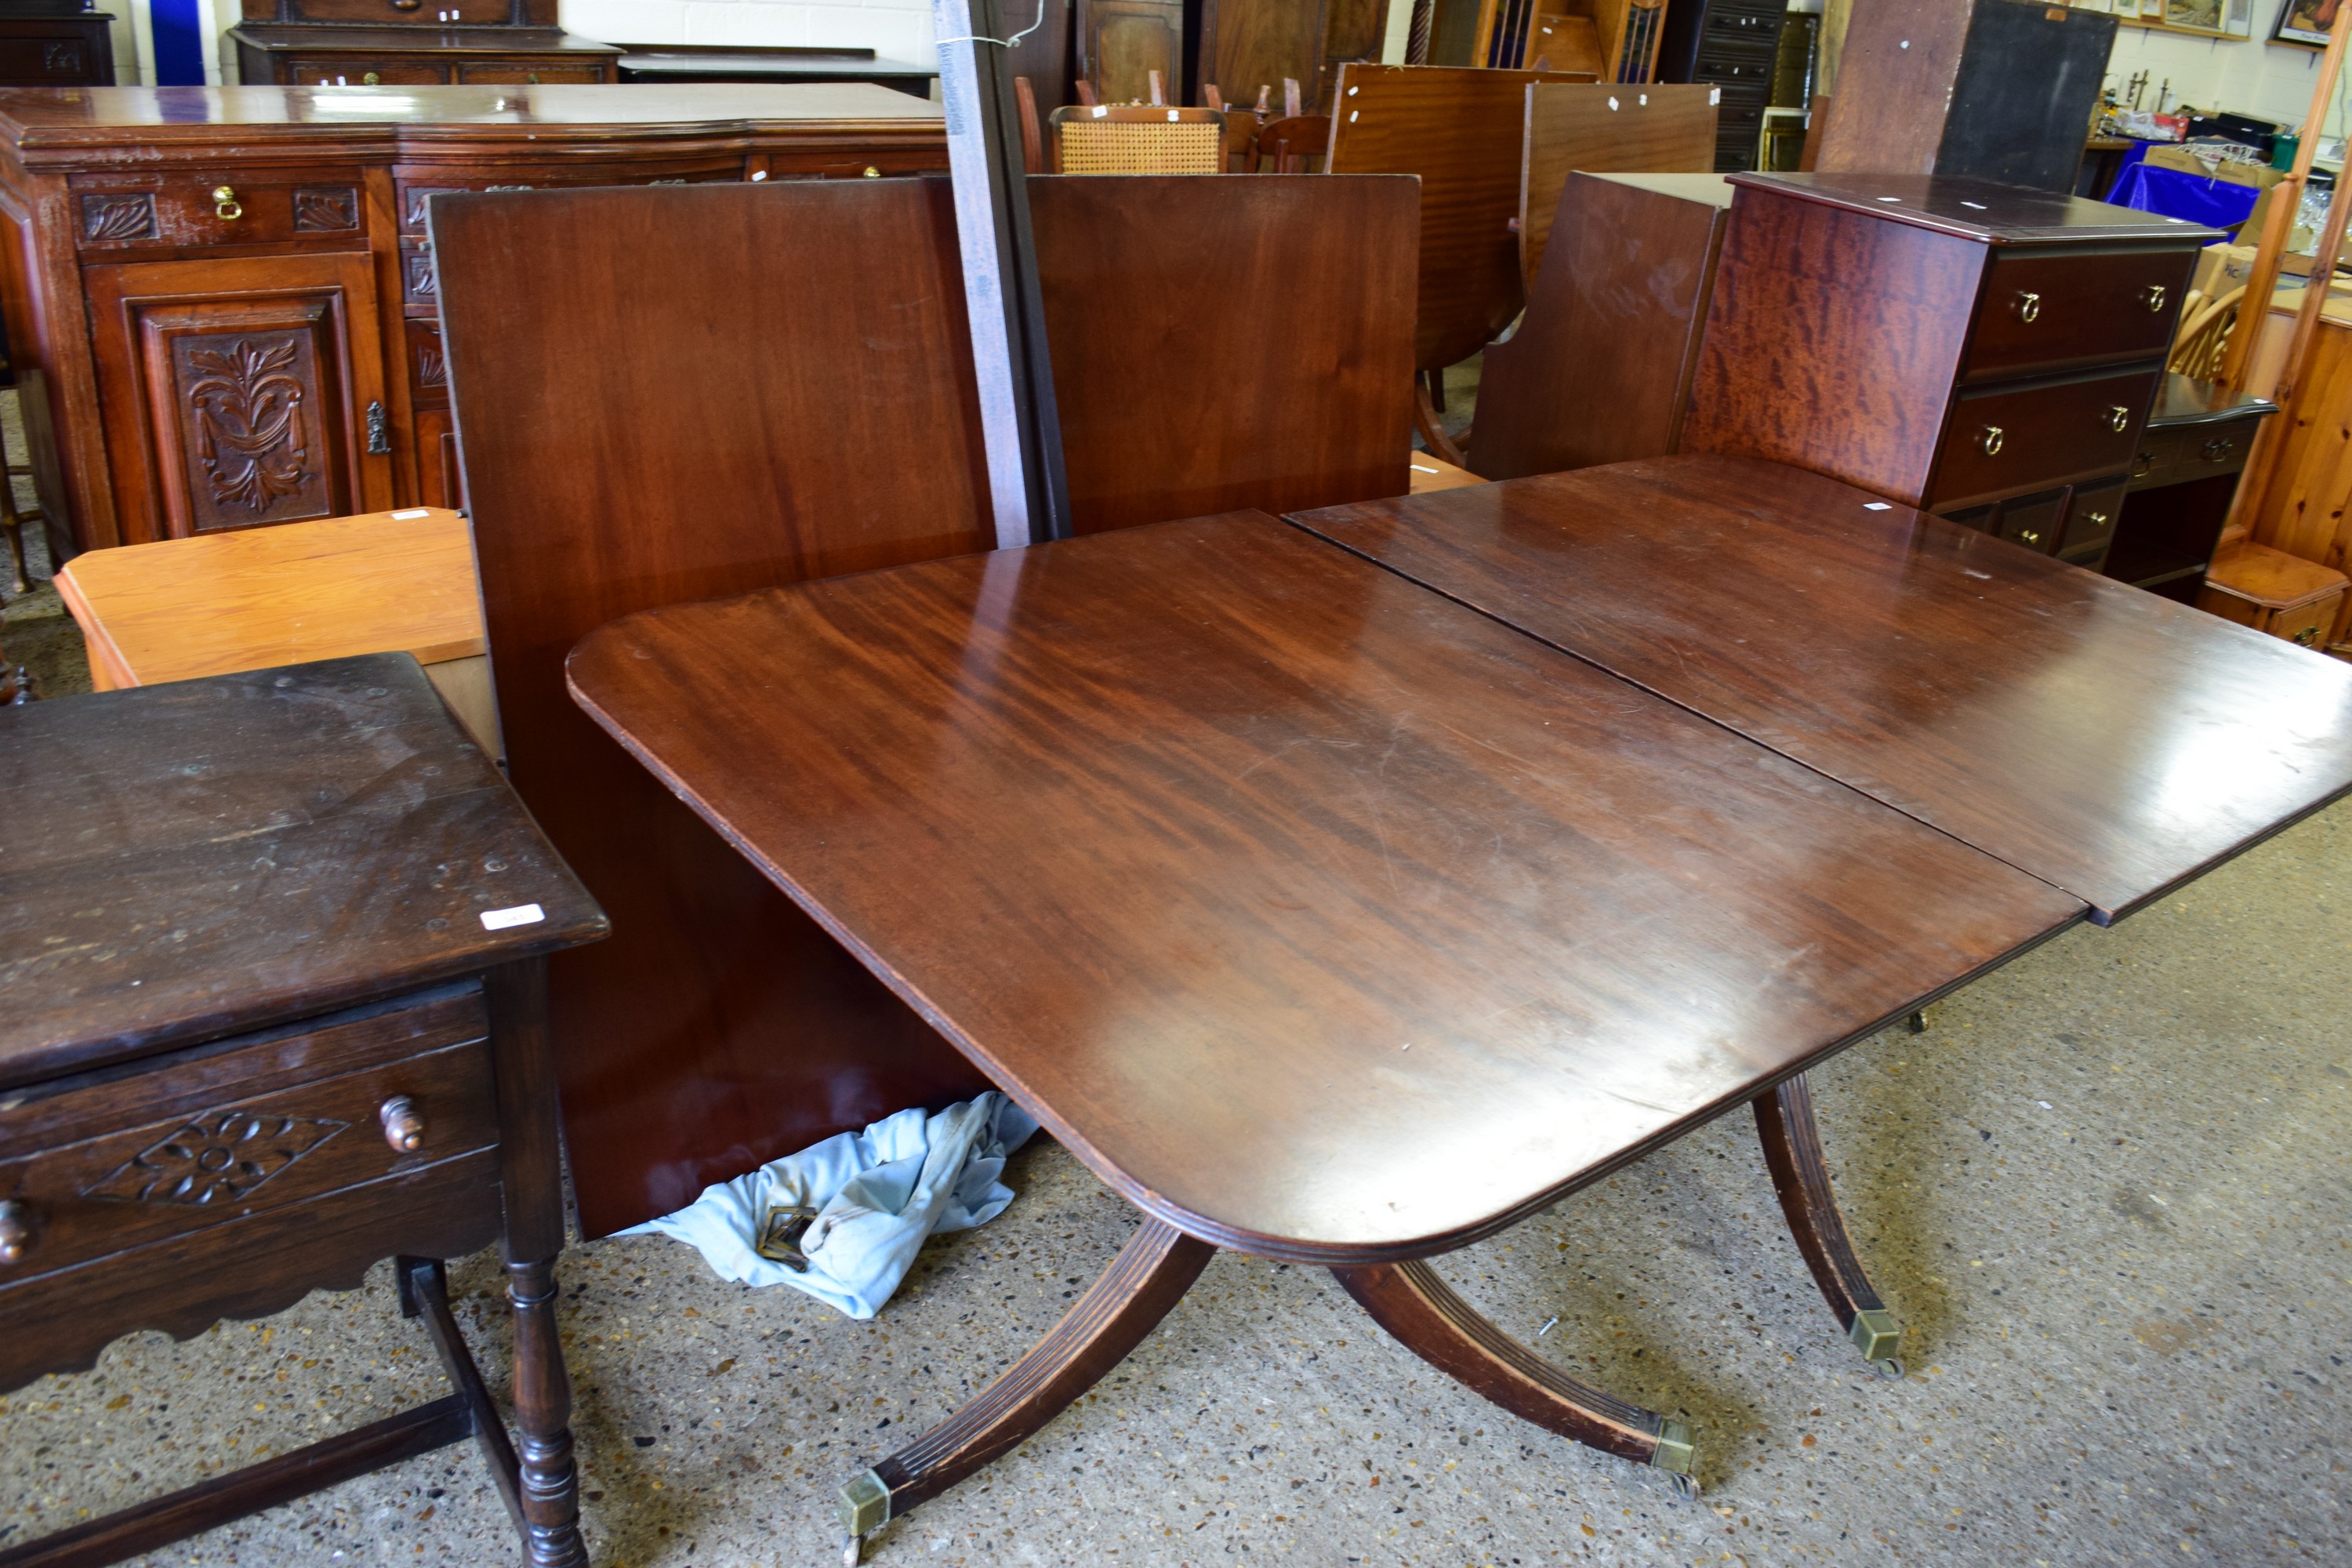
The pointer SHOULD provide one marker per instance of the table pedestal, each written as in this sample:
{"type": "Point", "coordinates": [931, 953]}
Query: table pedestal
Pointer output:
{"type": "Point", "coordinates": [1159, 1263]}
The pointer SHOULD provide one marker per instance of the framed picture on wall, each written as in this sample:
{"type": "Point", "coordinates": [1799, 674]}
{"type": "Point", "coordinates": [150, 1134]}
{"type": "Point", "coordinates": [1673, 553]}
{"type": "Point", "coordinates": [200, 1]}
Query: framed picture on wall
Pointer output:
{"type": "Point", "coordinates": [2193, 16]}
{"type": "Point", "coordinates": [2238, 18]}
{"type": "Point", "coordinates": [2306, 22]}
{"type": "Point", "coordinates": [2150, 11]}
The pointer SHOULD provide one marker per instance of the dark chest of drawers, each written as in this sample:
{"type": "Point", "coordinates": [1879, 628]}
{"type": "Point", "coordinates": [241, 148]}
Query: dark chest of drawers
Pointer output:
{"type": "Point", "coordinates": [1976, 349]}
{"type": "Point", "coordinates": [272, 947]}
{"type": "Point", "coordinates": [68, 48]}
{"type": "Point", "coordinates": [1731, 45]}
{"type": "Point", "coordinates": [413, 43]}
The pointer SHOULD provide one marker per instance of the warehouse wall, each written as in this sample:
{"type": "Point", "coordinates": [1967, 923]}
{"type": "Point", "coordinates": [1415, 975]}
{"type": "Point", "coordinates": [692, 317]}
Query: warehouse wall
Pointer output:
{"type": "Point", "coordinates": [2272, 81]}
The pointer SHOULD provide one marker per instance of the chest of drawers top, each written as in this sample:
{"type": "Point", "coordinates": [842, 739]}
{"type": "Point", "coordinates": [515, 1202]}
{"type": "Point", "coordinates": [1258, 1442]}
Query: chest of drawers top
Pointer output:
{"type": "Point", "coordinates": [182, 862]}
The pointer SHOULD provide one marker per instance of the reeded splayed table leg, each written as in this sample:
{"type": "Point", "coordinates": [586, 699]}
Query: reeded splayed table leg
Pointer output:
{"type": "Point", "coordinates": [1150, 1275]}
{"type": "Point", "coordinates": [1428, 1319]}
{"type": "Point", "coordinates": [1793, 1152]}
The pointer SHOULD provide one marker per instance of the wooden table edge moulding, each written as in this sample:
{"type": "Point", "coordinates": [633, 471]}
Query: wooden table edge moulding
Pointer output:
{"type": "Point", "coordinates": [1394, 1282]}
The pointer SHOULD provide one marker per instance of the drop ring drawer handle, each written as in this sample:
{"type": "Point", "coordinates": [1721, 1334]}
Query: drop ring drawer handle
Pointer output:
{"type": "Point", "coordinates": [2119, 418]}
{"type": "Point", "coordinates": [2154, 296]}
{"type": "Point", "coordinates": [1991, 440]}
{"type": "Point", "coordinates": [16, 1231]}
{"type": "Point", "coordinates": [404, 1125]}
{"type": "Point", "coordinates": [2219, 449]}
{"type": "Point", "coordinates": [225, 206]}
{"type": "Point", "coordinates": [2028, 306]}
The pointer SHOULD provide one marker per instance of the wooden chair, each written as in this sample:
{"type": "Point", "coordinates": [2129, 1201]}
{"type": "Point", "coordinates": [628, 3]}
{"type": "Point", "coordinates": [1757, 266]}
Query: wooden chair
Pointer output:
{"type": "Point", "coordinates": [1290, 144]}
{"type": "Point", "coordinates": [1137, 139]}
{"type": "Point", "coordinates": [1461, 130]}
{"type": "Point", "coordinates": [621, 455]}
{"type": "Point", "coordinates": [1032, 140]}
{"type": "Point", "coordinates": [2204, 334]}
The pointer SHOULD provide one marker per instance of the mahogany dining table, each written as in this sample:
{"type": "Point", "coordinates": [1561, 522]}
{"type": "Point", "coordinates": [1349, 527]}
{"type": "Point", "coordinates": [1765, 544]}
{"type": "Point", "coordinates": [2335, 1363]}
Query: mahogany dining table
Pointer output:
{"type": "Point", "coordinates": [1345, 906]}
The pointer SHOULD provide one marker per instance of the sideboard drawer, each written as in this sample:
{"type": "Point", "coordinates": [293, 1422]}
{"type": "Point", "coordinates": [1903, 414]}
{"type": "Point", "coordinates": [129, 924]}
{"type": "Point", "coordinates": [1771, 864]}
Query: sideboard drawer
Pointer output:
{"type": "Point", "coordinates": [229, 206]}
{"type": "Point", "coordinates": [135, 1155]}
{"type": "Point", "coordinates": [360, 70]}
{"type": "Point", "coordinates": [527, 72]}
{"type": "Point", "coordinates": [2184, 452]}
{"type": "Point", "coordinates": [2043, 313]}
{"type": "Point", "coordinates": [2017, 439]}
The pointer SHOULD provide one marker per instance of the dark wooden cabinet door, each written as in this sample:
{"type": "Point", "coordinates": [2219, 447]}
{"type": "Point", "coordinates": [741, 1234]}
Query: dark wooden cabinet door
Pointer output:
{"type": "Point", "coordinates": [1121, 42]}
{"type": "Point", "coordinates": [240, 392]}
{"type": "Point", "coordinates": [1249, 44]}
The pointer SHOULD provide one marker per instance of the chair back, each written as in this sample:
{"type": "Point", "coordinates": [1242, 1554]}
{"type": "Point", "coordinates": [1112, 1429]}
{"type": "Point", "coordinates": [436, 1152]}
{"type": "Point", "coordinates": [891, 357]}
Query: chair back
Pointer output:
{"type": "Point", "coordinates": [1288, 145]}
{"type": "Point", "coordinates": [1605, 129]}
{"type": "Point", "coordinates": [1137, 139]}
{"type": "Point", "coordinates": [1460, 129]}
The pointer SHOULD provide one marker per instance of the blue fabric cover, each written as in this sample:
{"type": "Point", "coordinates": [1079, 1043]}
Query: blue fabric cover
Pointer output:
{"type": "Point", "coordinates": [879, 1194]}
{"type": "Point", "coordinates": [2218, 203]}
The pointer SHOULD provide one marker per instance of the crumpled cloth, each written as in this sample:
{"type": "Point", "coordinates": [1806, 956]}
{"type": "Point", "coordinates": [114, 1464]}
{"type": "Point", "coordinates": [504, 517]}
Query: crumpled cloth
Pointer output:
{"type": "Point", "coordinates": [879, 1194]}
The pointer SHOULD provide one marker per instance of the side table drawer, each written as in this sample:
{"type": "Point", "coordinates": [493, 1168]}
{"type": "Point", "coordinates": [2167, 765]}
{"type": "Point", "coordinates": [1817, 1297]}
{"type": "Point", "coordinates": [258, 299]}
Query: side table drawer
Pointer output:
{"type": "Point", "coordinates": [2183, 452]}
{"type": "Point", "coordinates": [2014, 438]}
{"type": "Point", "coordinates": [155, 1150]}
{"type": "Point", "coordinates": [338, 70]}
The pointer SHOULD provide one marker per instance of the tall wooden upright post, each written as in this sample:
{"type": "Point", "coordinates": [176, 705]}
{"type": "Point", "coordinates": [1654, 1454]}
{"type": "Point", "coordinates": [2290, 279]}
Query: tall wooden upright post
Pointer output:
{"type": "Point", "coordinates": [1019, 426]}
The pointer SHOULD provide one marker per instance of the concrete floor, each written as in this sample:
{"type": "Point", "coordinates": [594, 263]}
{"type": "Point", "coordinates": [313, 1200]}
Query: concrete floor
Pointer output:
{"type": "Point", "coordinates": [2107, 1192]}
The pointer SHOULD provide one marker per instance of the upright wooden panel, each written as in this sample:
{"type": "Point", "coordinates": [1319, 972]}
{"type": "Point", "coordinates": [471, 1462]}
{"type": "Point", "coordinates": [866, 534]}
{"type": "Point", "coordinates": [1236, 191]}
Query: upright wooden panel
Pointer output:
{"type": "Point", "coordinates": [1353, 32]}
{"type": "Point", "coordinates": [1461, 130]}
{"type": "Point", "coordinates": [1222, 342]}
{"type": "Point", "coordinates": [1249, 44]}
{"type": "Point", "coordinates": [671, 394]}
{"type": "Point", "coordinates": [1600, 368]}
{"type": "Point", "coordinates": [1605, 129]}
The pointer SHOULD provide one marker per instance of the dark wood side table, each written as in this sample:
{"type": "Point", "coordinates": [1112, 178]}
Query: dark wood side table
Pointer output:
{"type": "Point", "coordinates": [371, 43]}
{"type": "Point", "coordinates": [273, 946]}
{"type": "Point", "coordinates": [55, 45]}
{"type": "Point", "coordinates": [728, 62]}
{"type": "Point", "coordinates": [2182, 481]}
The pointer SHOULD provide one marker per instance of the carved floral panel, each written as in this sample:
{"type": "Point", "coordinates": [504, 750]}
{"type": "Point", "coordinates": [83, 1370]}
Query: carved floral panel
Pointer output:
{"type": "Point", "coordinates": [250, 415]}
{"type": "Point", "coordinates": [129, 216]}
{"type": "Point", "coordinates": [219, 1157]}
{"type": "Point", "coordinates": [326, 209]}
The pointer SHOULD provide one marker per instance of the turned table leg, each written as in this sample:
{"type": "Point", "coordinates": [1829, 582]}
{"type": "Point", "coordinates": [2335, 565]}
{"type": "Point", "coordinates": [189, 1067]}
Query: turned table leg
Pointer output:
{"type": "Point", "coordinates": [1793, 1152]}
{"type": "Point", "coordinates": [1424, 1313]}
{"type": "Point", "coordinates": [1151, 1273]}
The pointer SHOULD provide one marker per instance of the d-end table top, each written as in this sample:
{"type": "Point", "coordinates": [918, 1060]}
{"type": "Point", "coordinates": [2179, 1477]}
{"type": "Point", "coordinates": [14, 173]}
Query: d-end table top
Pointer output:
{"type": "Point", "coordinates": [1320, 915]}
{"type": "Point", "coordinates": [2108, 741]}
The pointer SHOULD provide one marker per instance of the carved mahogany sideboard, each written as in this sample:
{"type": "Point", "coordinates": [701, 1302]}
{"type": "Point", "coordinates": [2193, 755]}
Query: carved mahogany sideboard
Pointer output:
{"type": "Point", "coordinates": [276, 966]}
{"type": "Point", "coordinates": [364, 43]}
{"type": "Point", "coordinates": [221, 302]}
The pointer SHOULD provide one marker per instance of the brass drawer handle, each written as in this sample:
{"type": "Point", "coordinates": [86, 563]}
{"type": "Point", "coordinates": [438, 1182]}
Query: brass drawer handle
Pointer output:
{"type": "Point", "coordinates": [2219, 449]}
{"type": "Point", "coordinates": [225, 204]}
{"type": "Point", "coordinates": [2306, 636]}
{"type": "Point", "coordinates": [16, 1231]}
{"type": "Point", "coordinates": [2098, 520]}
{"type": "Point", "coordinates": [373, 78]}
{"type": "Point", "coordinates": [403, 1126]}
{"type": "Point", "coordinates": [406, 5]}
{"type": "Point", "coordinates": [2028, 306]}
{"type": "Point", "coordinates": [2028, 536]}
{"type": "Point", "coordinates": [1989, 442]}
{"type": "Point", "coordinates": [2154, 296]}
{"type": "Point", "coordinates": [2119, 418]}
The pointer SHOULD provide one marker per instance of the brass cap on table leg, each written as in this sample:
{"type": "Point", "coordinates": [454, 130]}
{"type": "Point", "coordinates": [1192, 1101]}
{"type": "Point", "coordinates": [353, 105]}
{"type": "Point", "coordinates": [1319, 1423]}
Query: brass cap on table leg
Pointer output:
{"type": "Point", "coordinates": [1875, 1333]}
{"type": "Point", "coordinates": [865, 1504]}
{"type": "Point", "coordinates": [1676, 1448]}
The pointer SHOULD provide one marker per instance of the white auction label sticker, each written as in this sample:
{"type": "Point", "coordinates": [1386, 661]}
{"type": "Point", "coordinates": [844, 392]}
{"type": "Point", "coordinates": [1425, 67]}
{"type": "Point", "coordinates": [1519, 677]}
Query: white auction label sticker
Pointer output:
{"type": "Point", "coordinates": [419, 511]}
{"type": "Point", "coordinates": [520, 915]}
{"type": "Point", "coordinates": [1877, 506]}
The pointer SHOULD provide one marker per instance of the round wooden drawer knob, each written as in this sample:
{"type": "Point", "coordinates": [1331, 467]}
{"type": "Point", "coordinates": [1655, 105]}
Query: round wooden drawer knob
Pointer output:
{"type": "Point", "coordinates": [16, 1231]}
{"type": "Point", "coordinates": [403, 1126]}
